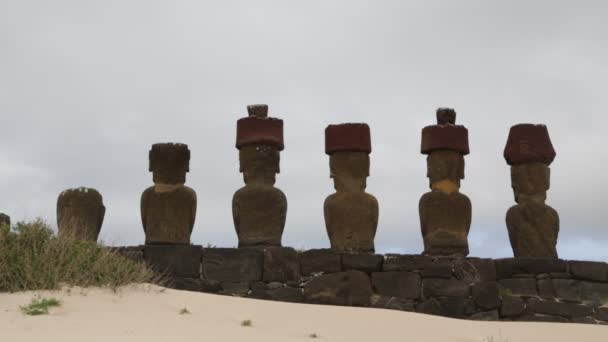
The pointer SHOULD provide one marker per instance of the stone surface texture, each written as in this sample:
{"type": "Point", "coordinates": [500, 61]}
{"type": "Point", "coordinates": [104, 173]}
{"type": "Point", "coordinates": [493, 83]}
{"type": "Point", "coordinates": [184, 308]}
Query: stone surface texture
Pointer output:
{"type": "Point", "coordinates": [168, 209]}
{"type": "Point", "coordinates": [445, 213]}
{"type": "Point", "coordinates": [80, 213]}
{"type": "Point", "coordinates": [351, 214]}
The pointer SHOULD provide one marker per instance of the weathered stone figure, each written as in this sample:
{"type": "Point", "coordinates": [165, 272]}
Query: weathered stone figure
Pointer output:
{"type": "Point", "coordinates": [533, 226]}
{"type": "Point", "coordinates": [445, 213]}
{"type": "Point", "coordinates": [259, 209]}
{"type": "Point", "coordinates": [5, 220]}
{"type": "Point", "coordinates": [168, 208]}
{"type": "Point", "coordinates": [80, 213]}
{"type": "Point", "coordinates": [351, 214]}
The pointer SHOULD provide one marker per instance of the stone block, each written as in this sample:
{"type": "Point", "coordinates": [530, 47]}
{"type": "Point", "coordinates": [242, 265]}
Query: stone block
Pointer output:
{"type": "Point", "coordinates": [511, 306]}
{"type": "Point", "coordinates": [583, 320]}
{"type": "Point", "coordinates": [320, 260]}
{"type": "Point", "coordinates": [519, 287]}
{"type": "Point", "coordinates": [183, 283]}
{"type": "Point", "coordinates": [397, 262]}
{"type": "Point", "coordinates": [581, 291]}
{"type": "Point", "coordinates": [541, 318]}
{"type": "Point", "coordinates": [392, 303]}
{"type": "Point", "coordinates": [589, 270]}
{"type": "Point", "coordinates": [397, 284]}
{"type": "Point", "coordinates": [175, 260]}
{"type": "Point", "coordinates": [437, 271]}
{"type": "Point", "coordinates": [485, 316]}
{"type": "Point", "coordinates": [486, 295]}
{"type": "Point", "coordinates": [454, 307]}
{"type": "Point", "coordinates": [351, 288]}
{"type": "Point", "coordinates": [285, 294]}
{"type": "Point", "coordinates": [434, 287]}
{"type": "Point", "coordinates": [210, 285]}
{"type": "Point", "coordinates": [545, 288]}
{"type": "Point", "coordinates": [506, 268]}
{"type": "Point", "coordinates": [553, 308]}
{"type": "Point", "coordinates": [362, 262]}
{"type": "Point", "coordinates": [602, 313]}
{"type": "Point", "coordinates": [238, 288]}
{"type": "Point", "coordinates": [232, 264]}
{"type": "Point", "coordinates": [281, 264]}
{"type": "Point", "coordinates": [481, 269]}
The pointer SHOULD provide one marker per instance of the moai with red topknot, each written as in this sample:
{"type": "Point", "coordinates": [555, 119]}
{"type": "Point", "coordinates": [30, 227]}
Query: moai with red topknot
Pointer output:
{"type": "Point", "coordinates": [168, 208]}
{"type": "Point", "coordinates": [445, 213]}
{"type": "Point", "coordinates": [80, 214]}
{"type": "Point", "coordinates": [533, 226]}
{"type": "Point", "coordinates": [351, 214]}
{"type": "Point", "coordinates": [259, 209]}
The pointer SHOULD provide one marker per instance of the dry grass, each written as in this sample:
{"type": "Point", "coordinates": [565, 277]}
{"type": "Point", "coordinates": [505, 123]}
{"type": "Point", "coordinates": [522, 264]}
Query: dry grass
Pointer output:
{"type": "Point", "coordinates": [33, 258]}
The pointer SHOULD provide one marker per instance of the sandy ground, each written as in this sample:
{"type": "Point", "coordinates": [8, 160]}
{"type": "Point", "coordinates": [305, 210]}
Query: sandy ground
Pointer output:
{"type": "Point", "coordinates": [150, 313]}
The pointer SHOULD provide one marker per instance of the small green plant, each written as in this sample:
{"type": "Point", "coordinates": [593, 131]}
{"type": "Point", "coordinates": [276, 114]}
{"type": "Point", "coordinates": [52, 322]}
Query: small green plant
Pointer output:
{"type": "Point", "coordinates": [184, 311]}
{"type": "Point", "coordinates": [504, 292]}
{"type": "Point", "coordinates": [246, 323]}
{"type": "Point", "coordinates": [313, 335]}
{"type": "Point", "coordinates": [40, 306]}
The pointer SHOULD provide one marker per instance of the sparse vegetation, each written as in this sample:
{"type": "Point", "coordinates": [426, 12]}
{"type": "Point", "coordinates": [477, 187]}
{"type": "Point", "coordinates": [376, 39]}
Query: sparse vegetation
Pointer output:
{"type": "Point", "coordinates": [313, 335]}
{"type": "Point", "coordinates": [246, 323]}
{"type": "Point", "coordinates": [184, 311]}
{"type": "Point", "coordinates": [32, 257]}
{"type": "Point", "coordinates": [40, 306]}
{"type": "Point", "coordinates": [504, 292]}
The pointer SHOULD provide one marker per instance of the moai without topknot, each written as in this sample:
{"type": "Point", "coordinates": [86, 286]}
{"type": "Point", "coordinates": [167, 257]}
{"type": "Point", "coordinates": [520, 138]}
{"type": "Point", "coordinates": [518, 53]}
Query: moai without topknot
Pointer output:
{"type": "Point", "coordinates": [351, 214]}
{"type": "Point", "coordinates": [168, 208]}
{"type": "Point", "coordinates": [5, 220]}
{"type": "Point", "coordinates": [533, 226]}
{"type": "Point", "coordinates": [445, 213]}
{"type": "Point", "coordinates": [259, 209]}
{"type": "Point", "coordinates": [80, 213]}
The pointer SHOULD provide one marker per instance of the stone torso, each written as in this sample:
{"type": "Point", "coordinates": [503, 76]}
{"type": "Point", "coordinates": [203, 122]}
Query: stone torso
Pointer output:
{"type": "Point", "coordinates": [533, 230]}
{"type": "Point", "coordinates": [445, 220]}
{"type": "Point", "coordinates": [168, 216]}
{"type": "Point", "coordinates": [259, 213]}
{"type": "Point", "coordinates": [351, 219]}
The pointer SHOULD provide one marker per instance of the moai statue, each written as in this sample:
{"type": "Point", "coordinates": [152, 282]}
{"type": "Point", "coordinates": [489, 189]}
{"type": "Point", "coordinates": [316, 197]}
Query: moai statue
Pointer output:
{"type": "Point", "coordinates": [351, 214]}
{"type": "Point", "coordinates": [80, 213]}
{"type": "Point", "coordinates": [533, 226]}
{"type": "Point", "coordinates": [5, 220]}
{"type": "Point", "coordinates": [168, 208]}
{"type": "Point", "coordinates": [445, 213]}
{"type": "Point", "coordinates": [259, 209]}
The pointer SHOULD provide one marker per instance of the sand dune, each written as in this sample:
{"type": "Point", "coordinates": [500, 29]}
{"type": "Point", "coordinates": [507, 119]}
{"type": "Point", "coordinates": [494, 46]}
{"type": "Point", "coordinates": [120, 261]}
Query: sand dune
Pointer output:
{"type": "Point", "coordinates": [151, 313]}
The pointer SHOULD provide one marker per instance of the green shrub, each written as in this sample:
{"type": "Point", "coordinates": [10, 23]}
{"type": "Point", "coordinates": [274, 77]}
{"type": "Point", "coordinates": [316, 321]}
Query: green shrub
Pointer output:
{"type": "Point", "coordinates": [33, 258]}
{"type": "Point", "coordinates": [40, 306]}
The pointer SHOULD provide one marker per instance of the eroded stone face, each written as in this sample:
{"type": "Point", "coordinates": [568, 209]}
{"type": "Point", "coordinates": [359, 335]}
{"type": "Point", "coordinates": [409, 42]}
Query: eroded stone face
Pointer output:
{"type": "Point", "coordinates": [533, 226]}
{"type": "Point", "coordinates": [80, 214]}
{"type": "Point", "coordinates": [445, 213]}
{"type": "Point", "coordinates": [259, 209]}
{"type": "Point", "coordinates": [168, 209]}
{"type": "Point", "coordinates": [351, 214]}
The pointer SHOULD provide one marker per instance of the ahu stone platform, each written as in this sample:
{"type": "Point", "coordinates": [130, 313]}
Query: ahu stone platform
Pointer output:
{"type": "Point", "coordinates": [512, 289]}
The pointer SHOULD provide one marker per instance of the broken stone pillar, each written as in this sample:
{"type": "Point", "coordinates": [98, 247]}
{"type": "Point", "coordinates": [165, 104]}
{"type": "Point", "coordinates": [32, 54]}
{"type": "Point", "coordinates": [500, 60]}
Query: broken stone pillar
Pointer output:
{"type": "Point", "coordinates": [168, 208]}
{"type": "Point", "coordinates": [533, 226]}
{"type": "Point", "coordinates": [445, 213]}
{"type": "Point", "coordinates": [80, 213]}
{"type": "Point", "coordinates": [351, 214]}
{"type": "Point", "coordinates": [5, 220]}
{"type": "Point", "coordinates": [259, 209]}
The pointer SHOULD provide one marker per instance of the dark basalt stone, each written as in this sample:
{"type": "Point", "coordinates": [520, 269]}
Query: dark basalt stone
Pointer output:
{"type": "Point", "coordinates": [454, 307]}
{"type": "Point", "coordinates": [444, 287]}
{"type": "Point", "coordinates": [187, 284]}
{"type": "Point", "coordinates": [392, 303]}
{"type": "Point", "coordinates": [397, 262]}
{"type": "Point", "coordinates": [520, 286]}
{"type": "Point", "coordinates": [485, 316]}
{"type": "Point", "coordinates": [558, 309]}
{"type": "Point", "coordinates": [233, 265]}
{"type": "Point", "coordinates": [176, 260]}
{"type": "Point", "coordinates": [397, 284]}
{"type": "Point", "coordinates": [507, 267]}
{"type": "Point", "coordinates": [511, 306]}
{"type": "Point", "coordinates": [362, 262]}
{"type": "Point", "coordinates": [281, 264]}
{"type": "Point", "coordinates": [352, 288]}
{"type": "Point", "coordinates": [589, 270]}
{"type": "Point", "coordinates": [486, 295]}
{"type": "Point", "coordinates": [319, 260]}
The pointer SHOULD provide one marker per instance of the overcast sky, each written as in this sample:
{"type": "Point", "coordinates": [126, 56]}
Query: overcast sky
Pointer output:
{"type": "Point", "coordinates": [86, 87]}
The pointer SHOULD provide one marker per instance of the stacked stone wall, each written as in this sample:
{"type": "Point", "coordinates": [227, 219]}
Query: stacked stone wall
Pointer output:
{"type": "Point", "coordinates": [512, 289]}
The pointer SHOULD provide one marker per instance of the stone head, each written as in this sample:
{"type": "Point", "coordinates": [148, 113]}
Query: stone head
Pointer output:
{"type": "Point", "coordinates": [530, 181]}
{"type": "Point", "coordinates": [259, 163]}
{"type": "Point", "coordinates": [169, 163]}
{"type": "Point", "coordinates": [445, 165]}
{"type": "Point", "coordinates": [349, 170]}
